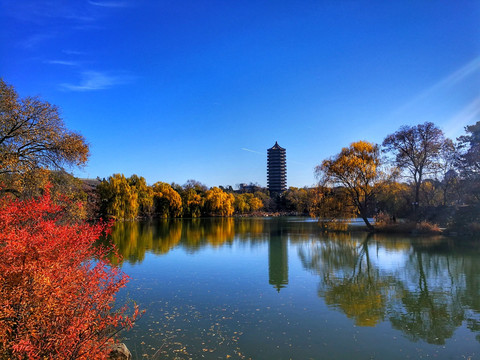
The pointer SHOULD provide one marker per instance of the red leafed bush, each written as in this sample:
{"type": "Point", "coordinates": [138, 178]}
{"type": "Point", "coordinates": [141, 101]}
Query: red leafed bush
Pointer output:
{"type": "Point", "coordinates": [57, 289]}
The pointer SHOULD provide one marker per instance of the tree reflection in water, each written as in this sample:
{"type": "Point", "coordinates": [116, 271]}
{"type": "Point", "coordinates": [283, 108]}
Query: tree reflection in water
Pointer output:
{"type": "Point", "coordinates": [427, 298]}
{"type": "Point", "coordinates": [349, 281]}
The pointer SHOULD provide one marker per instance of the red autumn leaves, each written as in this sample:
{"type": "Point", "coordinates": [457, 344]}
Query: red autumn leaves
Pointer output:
{"type": "Point", "coordinates": [57, 289]}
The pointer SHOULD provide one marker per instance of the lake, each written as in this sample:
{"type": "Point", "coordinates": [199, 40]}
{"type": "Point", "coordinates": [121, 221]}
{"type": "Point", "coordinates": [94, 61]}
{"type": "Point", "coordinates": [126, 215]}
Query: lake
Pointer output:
{"type": "Point", "coordinates": [279, 288]}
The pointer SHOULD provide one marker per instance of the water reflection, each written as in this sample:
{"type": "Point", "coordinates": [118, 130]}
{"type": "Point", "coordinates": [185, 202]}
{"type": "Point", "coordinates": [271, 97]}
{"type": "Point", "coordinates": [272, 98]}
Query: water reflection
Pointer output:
{"type": "Point", "coordinates": [278, 261]}
{"type": "Point", "coordinates": [432, 298]}
{"type": "Point", "coordinates": [427, 295]}
{"type": "Point", "coordinates": [350, 282]}
{"type": "Point", "coordinates": [425, 288]}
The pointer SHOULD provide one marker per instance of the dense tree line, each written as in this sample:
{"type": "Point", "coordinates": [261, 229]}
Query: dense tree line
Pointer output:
{"type": "Point", "coordinates": [131, 198]}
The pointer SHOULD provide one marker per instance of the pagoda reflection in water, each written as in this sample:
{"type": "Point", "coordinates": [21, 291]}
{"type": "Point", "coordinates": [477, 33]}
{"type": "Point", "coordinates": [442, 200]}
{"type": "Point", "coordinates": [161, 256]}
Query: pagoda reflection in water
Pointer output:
{"type": "Point", "coordinates": [278, 260]}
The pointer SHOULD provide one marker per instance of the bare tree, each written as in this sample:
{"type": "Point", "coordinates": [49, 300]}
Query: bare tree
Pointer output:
{"type": "Point", "coordinates": [417, 151]}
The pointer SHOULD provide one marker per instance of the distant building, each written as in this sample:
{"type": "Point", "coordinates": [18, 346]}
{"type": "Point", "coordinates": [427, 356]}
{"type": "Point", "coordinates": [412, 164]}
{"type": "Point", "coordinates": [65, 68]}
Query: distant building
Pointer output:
{"type": "Point", "coordinates": [277, 169]}
{"type": "Point", "coordinates": [250, 188]}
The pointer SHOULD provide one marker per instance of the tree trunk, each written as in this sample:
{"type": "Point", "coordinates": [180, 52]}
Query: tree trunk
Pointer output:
{"type": "Point", "coordinates": [363, 215]}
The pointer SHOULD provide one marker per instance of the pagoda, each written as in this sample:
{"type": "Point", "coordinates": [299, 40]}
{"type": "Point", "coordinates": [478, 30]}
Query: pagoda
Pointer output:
{"type": "Point", "coordinates": [276, 169]}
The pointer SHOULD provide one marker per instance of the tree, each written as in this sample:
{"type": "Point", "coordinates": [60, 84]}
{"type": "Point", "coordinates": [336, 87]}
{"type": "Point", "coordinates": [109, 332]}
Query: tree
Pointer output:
{"type": "Point", "coordinates": [332, 206]}
{"type": "Point", "coordinates": [469, 162]}
{"type": "Point", "coordinates": [144, 194]}
{"type": "Point", "coordinates": [417, 150]}
{"type": "Point", "coordinates": [68, 191]}
{"type": "Point", "coordinates": [192, 203]}
{"type": "Point", "coordinates": [470, 143]}
{"type": "Point", "coordinates": [469, 179]}
{"type": "Point", "coordinates": [254, 202]}
{"type": "Point", "coordinates": [448, 179]}
{"type": "Point", "coordinates": [240, 204]}
{"type": "Point", "coordinates": [297, 200]}
{"type": "Point", "coordinates": [118, 198]}
{"type": "Point", "coordinates": [247, 203]}
{"type": "Point", "coordinates": [218, 202]}
{"type": "Point", "coordinates": [356, 168]}
{"type": "Point", "coordinates": [393, 197]}
{"type": "Point", "coordinates": [33, 135]}
{"type": "Point", "coordinates": [168, 202]}
{"type": "Point", "coordinates": [195, 185]}
{"type": "Point", "coordinates": [57, 289]}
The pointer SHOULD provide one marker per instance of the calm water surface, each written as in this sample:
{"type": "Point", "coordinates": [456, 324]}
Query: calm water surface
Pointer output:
{"type": "Point", "coordinates": [277, 288]}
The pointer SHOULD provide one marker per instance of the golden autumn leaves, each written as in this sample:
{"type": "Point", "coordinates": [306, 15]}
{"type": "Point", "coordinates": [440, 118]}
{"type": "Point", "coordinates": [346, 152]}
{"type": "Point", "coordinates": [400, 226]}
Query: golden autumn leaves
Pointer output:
{"type": "Point", "coordinates": [355, 168]}
{"type": "Point", "coordinates": [130, 198]}
{"type": "Point", "coordinates": [33, 135]}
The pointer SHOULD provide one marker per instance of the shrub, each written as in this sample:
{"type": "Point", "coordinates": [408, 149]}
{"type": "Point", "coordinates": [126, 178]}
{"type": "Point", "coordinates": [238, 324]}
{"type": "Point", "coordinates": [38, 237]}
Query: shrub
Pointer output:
{"type": "Point", "coordinates": [382, 219]}
{"type": "Point", "coordinates": [425, 227]}
{"type": "Point", "coordinates": [57, 289]}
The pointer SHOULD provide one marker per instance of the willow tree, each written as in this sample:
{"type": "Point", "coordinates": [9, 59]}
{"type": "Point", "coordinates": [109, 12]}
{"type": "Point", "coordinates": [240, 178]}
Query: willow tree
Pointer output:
{"type": "Point", "coordinates": [33, 135]}
{"type": "Point", "coordinates": [247, 203]}
{"type": "Point", "coordinates": [144, 194]}
{"type": "Point", "coordinates": [218, 202]}
{"type": "Point", "coordinates": [168, 202]}
{"type": "Point", "coordinates": [192, 203]}
{"type": "Point", "coordinates": [356, 169]}
{"type": "Point", "coordinates": [118, 198]}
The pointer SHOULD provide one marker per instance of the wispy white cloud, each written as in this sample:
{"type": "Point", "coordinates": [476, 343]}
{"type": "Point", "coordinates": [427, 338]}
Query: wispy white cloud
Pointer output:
{"type": "Point", "coordinates": [70, 15]}
{"type": "Point", "coordinates": [252, 151]}
{"type": "Point", "coordinates": [35, 40]}
{"type": "Point", "coordinates": [80, 18]}
{"type": "Point", "coordinates": [62, 62]}
{"type": "Point", "coordinates": [264, 154]}
{"type": "Point", "coordinates": [42, 12]}
{"type": "Point", "coordinates": [88, 27]}
{"type": "Point", "coordinates": [73, 52]}
{"type": "Point", "coordinates": [111, 4]}
{"type": "Point", "coordinates": [447, 82]}
{"type": "Point", "coordinates": [95, 80]}
{"type": "Point", "coordinates": [468, 115]}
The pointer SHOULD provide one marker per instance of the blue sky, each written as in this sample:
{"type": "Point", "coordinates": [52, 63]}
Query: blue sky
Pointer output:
{"type": "Point", "coordinates": [178, 90]}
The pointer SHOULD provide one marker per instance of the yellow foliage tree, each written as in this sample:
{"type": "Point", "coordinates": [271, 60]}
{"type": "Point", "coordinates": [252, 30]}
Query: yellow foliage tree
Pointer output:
{"type": "Point", "coordinates": [240, 204]}
{"type": "Point", "coordinates": [431, 193]}
{"type": "Point", "coordinates": [168, 202]}
{"type": "Point", "coordinates": [394, 198]}
{"type": "Point", "coordinates": [247, 203]}
{"type": "Point", "coordinates": [255, 203]}
{"type": "Point", "coordinates": [356, 168]}
{"type": "Point", "coordinates": [118, 198]}
{"type": "Point", "coordinates": [218, 202]}
{"type": "Point", "coordinates": [192, 203]}
{"type": "Point", "coordinates": [144, 193]}
{"type": "Point", "coordinates": [331, 206]}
